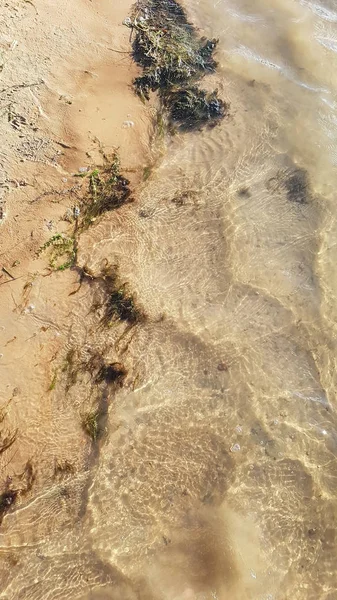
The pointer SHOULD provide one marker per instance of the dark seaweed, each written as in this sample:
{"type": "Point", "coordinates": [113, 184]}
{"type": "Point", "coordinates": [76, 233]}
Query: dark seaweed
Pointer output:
{"type": "Point", "coordinates": [122, 305]}
{"type": "Point", "coordinates": [191, 107]}
{"type": "Point", "coordinates": [112, 373]}
{"type": "Point", "coordinates": [10, 494]}
{"type": "Point", "coordinates": [7, 498]}
{"type": "Point", "coordinates": [297, 186]}
{"type": "Point", "coordinates": [172, 56]}
{"type": "Point", "coordinates": [62, 469]}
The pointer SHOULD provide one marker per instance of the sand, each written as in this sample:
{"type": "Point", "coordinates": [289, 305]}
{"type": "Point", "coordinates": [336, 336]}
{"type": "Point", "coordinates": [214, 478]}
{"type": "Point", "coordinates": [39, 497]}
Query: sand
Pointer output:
{"type": "Point", "coordinates": [65, 94]}
{"type": "Point", "coordinates": [215, 473]}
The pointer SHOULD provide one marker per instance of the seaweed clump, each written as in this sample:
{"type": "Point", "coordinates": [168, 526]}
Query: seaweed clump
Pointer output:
{"type": "Point", "coordinates": [190, 106]}
{"type": "Point", "coordinates": [173, 57]}
{"type": "Point", "coordinates": [120, 303]}
{"type": "Point", "coordinates": [122, 306]}
{"type": "Point", "coordinates": [108, 190]}
{"type": "Point", "coordinates": [11, 492]}
{"type": "Point", "coordinates": [90, 424]}
{"type": "Point", "coordinates": [7, 498]}
{"type": "Point", "coordinates": [63, 469]}
{"type": "Point", "coordinates": [297, 186]}
{"type": "Point", "coordinates": [113, 373]}
{"type": "Point", "coordinates": [62, 252]}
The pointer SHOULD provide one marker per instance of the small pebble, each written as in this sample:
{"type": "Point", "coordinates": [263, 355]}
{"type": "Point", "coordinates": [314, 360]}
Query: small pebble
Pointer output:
{"type": "Point", "coordinates": [30, 308]}
{"type": "Point", "coordinates": [128, 124]}
{"type": "Point", "coordinates": [235, 448]}
{"type": "Point", "coordinates": [83, 170]}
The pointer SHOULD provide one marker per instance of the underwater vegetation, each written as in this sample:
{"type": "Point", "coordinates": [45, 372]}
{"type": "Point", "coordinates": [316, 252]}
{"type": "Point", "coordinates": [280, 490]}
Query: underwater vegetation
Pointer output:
{"type": "Point", "coordinates": [90, 424]}
{"type": "Point", "coordinates": [120, 303]}
{"type": "Point", "coordinates": [107, 190]}
{"type": "Point", "coordinates": [12, 491]}
{"type": "Point", "coordinates": [173, 59]}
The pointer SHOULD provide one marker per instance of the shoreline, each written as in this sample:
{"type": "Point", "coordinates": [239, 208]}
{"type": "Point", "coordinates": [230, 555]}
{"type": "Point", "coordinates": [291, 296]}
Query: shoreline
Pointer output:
{"type": "Point", "coordinates": [52, 130]}
{"type": "Point", "coordinates": [59, 402]}
{"type": "Point", "coordinates": [79, 113]}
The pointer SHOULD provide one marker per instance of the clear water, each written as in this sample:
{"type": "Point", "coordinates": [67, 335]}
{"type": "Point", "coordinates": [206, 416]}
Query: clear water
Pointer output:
{"type": "Point", "coordinates": [217, 476]}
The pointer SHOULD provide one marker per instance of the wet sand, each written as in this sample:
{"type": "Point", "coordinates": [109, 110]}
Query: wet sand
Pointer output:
{"type": "Point", "coordinates": [216, 473]}
{"type": "Point", "coordinates": [58, 114]}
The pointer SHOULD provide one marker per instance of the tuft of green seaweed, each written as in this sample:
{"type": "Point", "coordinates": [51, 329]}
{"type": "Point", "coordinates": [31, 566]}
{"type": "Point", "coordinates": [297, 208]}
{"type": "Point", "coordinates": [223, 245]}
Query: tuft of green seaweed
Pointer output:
{"type": "Point", "coordinates": [174, 57]}
{"type": "Point", "coordinates": [70, 368]}
{"type": "Point", "coordinates": [90, 424]}
{"type": "Point", "coordinates": [53, 382]}
{"type": "Point", "coordinates": [108, 190]}
{"type": "Point", "coordinates": [62, 251]}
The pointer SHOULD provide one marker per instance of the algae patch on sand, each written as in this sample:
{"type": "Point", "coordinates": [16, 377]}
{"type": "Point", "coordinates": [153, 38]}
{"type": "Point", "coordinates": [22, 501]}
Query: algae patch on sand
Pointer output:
{"type": "Point", "coordinates": [173, 59]}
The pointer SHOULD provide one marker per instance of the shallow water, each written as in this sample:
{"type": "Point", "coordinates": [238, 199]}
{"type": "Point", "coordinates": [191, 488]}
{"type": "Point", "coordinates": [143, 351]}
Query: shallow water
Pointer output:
{"type": "Point", "coordinates": [217, 476]}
